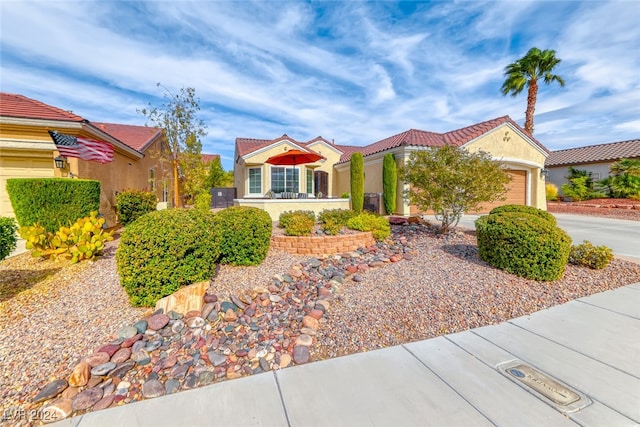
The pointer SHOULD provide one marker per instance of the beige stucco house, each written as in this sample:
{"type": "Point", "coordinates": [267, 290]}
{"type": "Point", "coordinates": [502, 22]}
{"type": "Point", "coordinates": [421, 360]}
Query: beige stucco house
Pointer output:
{"type": "Point", "coordinates": [27, 151]}
{"type": "Point", "coordinates": [519, 153]}
{"type": "Point", "coordinates": [596, 159]}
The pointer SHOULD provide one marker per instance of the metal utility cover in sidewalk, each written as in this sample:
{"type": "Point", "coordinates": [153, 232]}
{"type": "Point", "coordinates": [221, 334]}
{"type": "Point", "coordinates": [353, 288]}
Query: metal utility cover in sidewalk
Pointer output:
{"type": "Point", "coordinates": [548, 389]}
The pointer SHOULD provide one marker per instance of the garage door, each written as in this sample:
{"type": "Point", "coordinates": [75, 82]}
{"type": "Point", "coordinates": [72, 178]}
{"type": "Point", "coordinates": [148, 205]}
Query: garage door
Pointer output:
{"type": "Point", "coordinates": [21, 167]}
{"type": "Point", "coordinates": [516, 192]}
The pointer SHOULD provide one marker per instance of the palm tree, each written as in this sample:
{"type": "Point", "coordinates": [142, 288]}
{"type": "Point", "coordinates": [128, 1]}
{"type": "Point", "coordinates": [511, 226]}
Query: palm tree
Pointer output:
{"type": "Point", "coordinates": [536, 64]}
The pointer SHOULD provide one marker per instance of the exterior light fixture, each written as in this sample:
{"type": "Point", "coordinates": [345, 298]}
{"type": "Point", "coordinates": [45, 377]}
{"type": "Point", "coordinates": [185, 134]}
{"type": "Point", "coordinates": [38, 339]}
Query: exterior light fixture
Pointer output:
{"type": "Point", "coordinates": [60, 162]}
{"type": "Point", "coordinates": [544, 174]}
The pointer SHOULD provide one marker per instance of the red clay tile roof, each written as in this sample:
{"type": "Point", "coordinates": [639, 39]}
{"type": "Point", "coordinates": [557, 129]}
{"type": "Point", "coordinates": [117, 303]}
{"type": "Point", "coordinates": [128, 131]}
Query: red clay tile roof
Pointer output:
{"type": "Point", "coordinates": [246, 146]}
{"type": "Point", "coordinates": [206, 158]}
{"type": "Point", "coordinates": [421, 138]}
{"type": "Point", "coordinates": [136, 137]}
{"type": "Point", "coordinates": [595, 153]}
{"type": "Point", "coordinates": [12, 105]}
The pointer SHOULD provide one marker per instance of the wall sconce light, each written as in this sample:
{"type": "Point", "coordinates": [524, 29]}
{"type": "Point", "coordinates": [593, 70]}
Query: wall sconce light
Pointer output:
{"type": "Point", "coordinates": [60, 162]}
{"type": "Point", "coordinates": [544, 174]}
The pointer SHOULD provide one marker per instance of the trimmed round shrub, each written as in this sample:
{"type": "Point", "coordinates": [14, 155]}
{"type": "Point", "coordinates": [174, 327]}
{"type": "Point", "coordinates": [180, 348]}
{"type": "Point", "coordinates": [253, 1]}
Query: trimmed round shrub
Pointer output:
{"type": "Point", "coordinates": [587, 255]}
{"type": "Point", "coordinates": [165, 250]}
{"type": "Point", "coordinates": [523, 244]}
{"type": "Point", "coordinates": [8, 238]}
{"type": "Point", "coordinates": [297, 223]}
{"type": "Point", "coordinates": [245, 235]}
{"type": "Point", "coordinates": [527, 210]}
{"type": "Point", "coordinates": [132, 204]}
{"type": "Point", "coordinates": [367, 221]}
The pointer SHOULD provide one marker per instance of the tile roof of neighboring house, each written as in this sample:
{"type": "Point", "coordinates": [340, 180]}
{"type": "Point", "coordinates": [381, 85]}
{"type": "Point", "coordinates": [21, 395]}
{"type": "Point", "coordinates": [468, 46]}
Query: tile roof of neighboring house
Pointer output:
{"type": "Point", "coordinates": [136, 137]}
{"type": "Point", "coordinates": [19, 106]}
{"type": "Point", "coordinates": [612, 151]}
{"type": "Point", "coordinates": [420, 138]}
{"type": "Point", "coordinates": [206, 158]}
{"type": "Point", "coordinates": [246, 146]}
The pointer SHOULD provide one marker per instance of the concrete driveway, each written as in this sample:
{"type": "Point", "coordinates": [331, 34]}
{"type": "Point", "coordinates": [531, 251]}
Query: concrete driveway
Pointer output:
{"type": "Point", "coordinates": [622, 236]}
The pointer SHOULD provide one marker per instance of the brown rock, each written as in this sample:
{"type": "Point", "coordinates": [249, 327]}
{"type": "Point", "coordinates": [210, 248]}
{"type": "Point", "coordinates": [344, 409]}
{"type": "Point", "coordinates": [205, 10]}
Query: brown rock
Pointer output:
{"type": "Point", "coordinates": [87, 399]}
{"type": "Point", "coordinates": [130, 341]}
{"type": "Point", "coordinates": [70, 392]}
{"type": "Point", "coordinates": [57, 410]}
{"type": "Point", "coordinates": [185, 299]}
{"type": "Point", "coordinates": [305, 340]}
{"type": "Point", "coordinates": [285, 360]}
{"type": "Point", "coordinates": [121, 355]}
{"type": "Point", "coordinates": [110, 349]}
{"type": "Point", "coordinates": [192, 313]}
{"type": "Point", "coordinates": [103, 403]}
{"type": "Point", "coordinates": [230, 315]}
{"type": "Point", "coordinates": [310, 322]}
{"type": "Point", "coordinates": [97, 359]}
{"type": "Point", "coordinates": [50, 390]}
{"type": "Point", "coordinates": [158, 321]}
{"type": "Point", "coordinates": [316, 314]}
{"type": "Point", "coordinates": [210, 298]}
{"type": "Point", "coordinates": [80, 375]}
{"type": "Point", "coordinates": [300, 354]}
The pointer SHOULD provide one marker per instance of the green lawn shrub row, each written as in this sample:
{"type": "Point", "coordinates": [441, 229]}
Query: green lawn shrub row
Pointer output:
{"type": "Point", "coordinates": [524, 244]}
{"type": "Point", "coordinates": [132, 204]}
{"type": "Point", "coordinates": [52, 202]}
{"type": "Point", "coordinates": [8, 236]}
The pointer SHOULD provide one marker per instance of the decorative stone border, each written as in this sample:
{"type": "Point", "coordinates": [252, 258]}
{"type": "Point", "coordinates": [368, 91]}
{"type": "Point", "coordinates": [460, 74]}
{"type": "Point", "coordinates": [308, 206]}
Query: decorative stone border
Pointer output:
{"type": "Point", "coordinates": [322, 245]}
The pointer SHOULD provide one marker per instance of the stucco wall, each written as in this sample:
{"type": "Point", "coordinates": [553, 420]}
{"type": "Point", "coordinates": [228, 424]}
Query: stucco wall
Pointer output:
{"type": "Point", "coordinates": [274, 207]}
{"type": "Point", "coordinates": [557, 174]}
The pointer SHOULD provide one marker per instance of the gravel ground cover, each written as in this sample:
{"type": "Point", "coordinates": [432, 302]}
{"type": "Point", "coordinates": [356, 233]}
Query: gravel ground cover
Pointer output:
{"type": "Point", "coordinates": [52, 315]}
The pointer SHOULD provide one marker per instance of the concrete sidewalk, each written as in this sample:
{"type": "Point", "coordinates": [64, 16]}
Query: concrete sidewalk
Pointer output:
{"type": "Point", "coordinates": [590, 348]}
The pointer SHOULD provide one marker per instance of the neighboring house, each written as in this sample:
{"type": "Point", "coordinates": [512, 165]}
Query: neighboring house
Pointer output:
{"type": "Point", "coordinates": [208, 158]}
{"type": "Point", "coordinates": [520, 154]}
{"type": "Point", "coordinates": [596, 159]}
{"type": "Point", "coordinates": [27, 151]}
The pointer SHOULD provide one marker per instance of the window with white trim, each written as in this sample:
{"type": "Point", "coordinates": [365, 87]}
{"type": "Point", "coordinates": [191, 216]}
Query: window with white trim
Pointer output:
{"type": "Point", "coordinates": [255, 180]}
{"type": "Point", "coordinates": [285, 179]}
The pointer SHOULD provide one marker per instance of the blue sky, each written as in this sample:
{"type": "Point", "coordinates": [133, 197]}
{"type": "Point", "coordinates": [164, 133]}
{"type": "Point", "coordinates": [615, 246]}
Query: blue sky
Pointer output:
{"type": "Point", "coordinates": [355, 72]}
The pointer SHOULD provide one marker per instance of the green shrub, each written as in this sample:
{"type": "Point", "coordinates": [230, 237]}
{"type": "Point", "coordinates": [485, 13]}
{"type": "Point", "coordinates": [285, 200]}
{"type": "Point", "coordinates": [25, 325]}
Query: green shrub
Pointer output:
{"type": "Point", "coordinates": [331, 227]}
{"type": "Point", "coordinates": [132, 204]}
{"type": "Point", "coordinates": [8, 237]}
{"type": "Point", "coordinates": [288, 216]}
{"type": "Point", "coordinates": [245, 235]}
{"type": "Point", "coordinates": [357, 182]}
{"type": "Point", "coordinates": [389, 183]}
{"type": "Point", "coordinates": [340, 216]}
{"type": "Point", "coordinates": [165, 250]}
{"type": "Point", "coordinates": [345, 195]}
{"type": "Point", "coordinates": [367, 221]}
{"type": "Point", "coordinates": [551, 191]}
{"type": "Point", "coordinates": [82, 240]}
{"type": "Point", "coordinates": [525, 209]}
{"type": "Point", "coordinates": [587, 255]}
{"type": "Point", "coordinates": [203, 201]}
{"type": "Point", "coordinates": [523, 244]}
{"type": "Point", "coordinates": [52, 202]}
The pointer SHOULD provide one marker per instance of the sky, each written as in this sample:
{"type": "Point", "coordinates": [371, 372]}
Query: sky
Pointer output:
{"type": "Point", "coordinates": [354, 72]}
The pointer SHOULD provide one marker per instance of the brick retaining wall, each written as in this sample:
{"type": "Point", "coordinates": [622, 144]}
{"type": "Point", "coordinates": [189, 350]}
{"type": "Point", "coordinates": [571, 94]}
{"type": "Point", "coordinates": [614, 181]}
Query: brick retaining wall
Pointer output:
{"type": "Point", "coordinates": [322, 245]}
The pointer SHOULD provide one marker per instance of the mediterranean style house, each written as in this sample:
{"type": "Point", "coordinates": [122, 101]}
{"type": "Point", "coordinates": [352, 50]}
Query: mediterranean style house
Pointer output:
{"type": "Point", "coordinates": [27, 151]}
{"type": "Point", "coordinates": [596, 159]}
{"type": "Point", "coordinates": [519, 153]}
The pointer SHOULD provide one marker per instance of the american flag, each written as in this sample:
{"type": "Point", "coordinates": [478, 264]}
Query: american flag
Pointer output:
{"type": "Point", "coordinates": [82, 148]}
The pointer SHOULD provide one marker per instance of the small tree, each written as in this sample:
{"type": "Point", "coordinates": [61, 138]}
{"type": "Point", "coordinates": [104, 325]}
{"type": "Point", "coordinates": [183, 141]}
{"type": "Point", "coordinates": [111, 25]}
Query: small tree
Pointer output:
{"type": "Point", "coordinates": [451, 181]}
{"type": "Point", "coordinates": [581, 185]}
{"type": "Point", "coordinates": [217, 176]}
{"type": "Point", "coordinates": [177, 116]}
{"type": "Point", "coordinates": [389, 183]}
{"type": "Point", "coordinates": [357, 182]}
{"type": "Point", "coordinates": [624, 181]}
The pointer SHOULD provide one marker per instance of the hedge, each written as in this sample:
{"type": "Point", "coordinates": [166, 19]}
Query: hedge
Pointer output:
{"type": "Point", "coordinates": [52, 202]}
{"type": "Point", "coordinates": [245, 235]}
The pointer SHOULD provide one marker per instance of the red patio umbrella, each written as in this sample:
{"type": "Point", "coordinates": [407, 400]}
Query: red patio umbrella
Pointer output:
{"type": "Point", "coordinates": [294, 157]}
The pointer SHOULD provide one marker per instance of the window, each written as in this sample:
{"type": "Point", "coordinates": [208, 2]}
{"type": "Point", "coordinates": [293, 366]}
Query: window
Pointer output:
{"type": "Point", "coordinates": [152, 179]}
{"type": "Point", "coordinates": [310, 181]}
{"type": "Point", "coordinates": [596, 176]}
{"type": "Point", "coordinates": [255, 181]}
{"type": "Point", "coordinates": [285, 179]}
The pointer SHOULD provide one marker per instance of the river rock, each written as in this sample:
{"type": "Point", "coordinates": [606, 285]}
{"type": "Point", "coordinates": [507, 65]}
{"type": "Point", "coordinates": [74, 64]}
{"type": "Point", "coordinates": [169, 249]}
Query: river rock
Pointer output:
{"type": "Point", "coordinates": [195, 322]}
{"type": "Point", "coordinates": [127, 332]}
{"type": "Point", "coordinates": [110, 349]}
{"type": "Point", "coordinates": [230, 315]}
{"type": "Point", "coordinates": [304, 340]}
{"type": "Point", "coordinates": [103, 369]}
{"type": "Point", "coordinates": [80, 375]}
{"type": "Point", "coordinates": [141, 326]}
{"type": "Point", "coordinates": [120, 370]}
{"type": "Point", "coordinates": [103, 403]}
{"type": "Point", "coordinates": [300, 354]}
{"type": "Point", "coordinates": [285, 360]}
{"type": "Point", "coordinates": [50, 390]}
{"type": "Point", "coordinates": [310, 322]}
{"type": "Point", "coordinates": [121, 355]}
{"type": "Point", "coordinates": [216, 358]}
{"type": "Point", "coordinates": [171, 386]}
{"type": "Point", "coordinates": [87, 399]}
{"type": "Point", "coordinates": [97, 359]}
{"type": "Point", "coordinates": [157, 321]}
{"type": "Point", "coordinates": [58, 410]}
{"type": "Point", "coordinates": [131, 341]}
{"type": "Point", "coordinates": [153, 388]}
